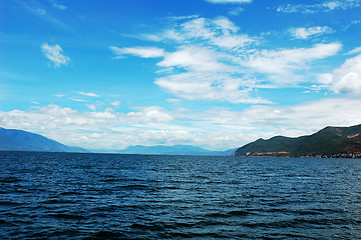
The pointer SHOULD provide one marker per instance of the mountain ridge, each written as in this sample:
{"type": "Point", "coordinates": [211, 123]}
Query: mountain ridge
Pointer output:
{"type": "Point", "coordinates": [327, 142]}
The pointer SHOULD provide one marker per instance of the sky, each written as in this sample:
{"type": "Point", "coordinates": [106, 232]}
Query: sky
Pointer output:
{"type": "Point", "coordinates": [210, 73]}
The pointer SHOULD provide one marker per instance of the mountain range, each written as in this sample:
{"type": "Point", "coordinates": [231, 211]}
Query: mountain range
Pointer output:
{"type": "Point", "coordinates": [174, 150]}
{"type": "Point", "coordinates": [328, 142]}
{"type": "Point", "coordinates": [18, 140]}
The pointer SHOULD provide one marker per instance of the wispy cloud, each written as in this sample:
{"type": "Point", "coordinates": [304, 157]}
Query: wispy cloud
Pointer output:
{"type": "Point", "coordinates": [88, 94]}
{"type": "Point", "coordinates": [115, 104]}
{"type": "Point", "coordinates": [183, 17]}
{"type": "Point", "coordinates": [354, 51]}
{"type": "Point", "coordinates": [174, 100]}
{"type": "Point", "coordinates": [37, 9]}
{"type": "Point", "coordinates": [59, 95]}
{"type": "Point", "coordinates": [229, 1]}
{"type": "Point", "coordinates": [92, 107]}
{"type": "Point", "coordinates": [59, 6]}
{"type": "Point", "coordinates": [77, 100]}
{"type": "Point", "coordinates": [305, 33]}
{"type": "Point", "coordinates": [55, 54]}
{"type": "Point", "coordinates": [144, 52]}
{"type": "Point", "coordinates": [236, 11]}
{"type": "Point", "coordinates": [319, 7]}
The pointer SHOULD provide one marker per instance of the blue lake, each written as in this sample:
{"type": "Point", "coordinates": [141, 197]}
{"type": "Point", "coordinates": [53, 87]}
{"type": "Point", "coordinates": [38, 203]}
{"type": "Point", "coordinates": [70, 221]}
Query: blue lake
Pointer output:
{"type": "Point", "coordinates": [108, 196]}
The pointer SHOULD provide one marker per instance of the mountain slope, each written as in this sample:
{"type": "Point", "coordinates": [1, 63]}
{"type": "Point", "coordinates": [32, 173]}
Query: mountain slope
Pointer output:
{"type": "Point", "coordinates": [328, 141]}
{"type": "Point", "coordinates": [18, 140]}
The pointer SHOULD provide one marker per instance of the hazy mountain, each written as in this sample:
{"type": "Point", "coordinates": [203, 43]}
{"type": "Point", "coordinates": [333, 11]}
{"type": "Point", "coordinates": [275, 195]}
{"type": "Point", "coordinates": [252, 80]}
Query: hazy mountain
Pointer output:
{"type": "Point", "coordinates": [328, 141]}
{"type": "Point", "coordinates": [174, 150]}
{"type": "Point", "coordinates": [18, 140]}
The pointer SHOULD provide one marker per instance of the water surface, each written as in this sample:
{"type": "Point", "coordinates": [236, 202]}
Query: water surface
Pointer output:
{"type": "Point", "coordinates": [105, 196]}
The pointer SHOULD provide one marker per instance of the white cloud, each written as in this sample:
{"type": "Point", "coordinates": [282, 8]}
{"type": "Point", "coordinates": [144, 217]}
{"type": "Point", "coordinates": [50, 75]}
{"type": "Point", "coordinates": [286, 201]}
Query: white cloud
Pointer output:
{"type": "Point", "coordinates": [59, 6]}
{"type": "Point", "coordinates": [203, 58]}
{"type": "Point", "coordinates": [89, 94]}
{"type": "Point", "coordinates": [267, 121]}
{"type": "Point", "coordinates": [194, 58]}
{"type": "Point", "coordinates": [284, 62]}
{"type": "Point", "coordinates": [304, 33]}
{"type": "Point", "coordinates": [144, 52]}
{"type": "Point", "coordinates": [55, 54]}
{"type": "Point", "coordinates": [208, 86]}
{"type": "Point", "coordinates": [151, 114]}
{"type": "Point", "coordinates": [229, 1]}
{"type": "Point", "coordinates": [113, 130]}
{"type": "Point", "coordinates": [155, 125]}
{"type": "Point", "coordinates": [346, 79]}
{"type": "Point", "coordinates": [213, 60]}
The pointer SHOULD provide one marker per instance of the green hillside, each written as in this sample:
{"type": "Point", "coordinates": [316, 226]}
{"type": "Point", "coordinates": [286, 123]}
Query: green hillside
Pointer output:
{"type": "Point", "coordinates": [326, 142]}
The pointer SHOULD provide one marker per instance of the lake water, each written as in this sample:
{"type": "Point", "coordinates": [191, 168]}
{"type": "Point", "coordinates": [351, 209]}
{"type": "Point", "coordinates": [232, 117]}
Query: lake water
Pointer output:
{"type": "Point", "coordinates": [106, 196]}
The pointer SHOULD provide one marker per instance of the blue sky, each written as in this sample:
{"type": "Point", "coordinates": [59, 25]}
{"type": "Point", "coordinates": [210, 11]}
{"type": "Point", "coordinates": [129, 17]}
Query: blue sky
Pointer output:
{"type": "Point", "coordinates": [210, 73]}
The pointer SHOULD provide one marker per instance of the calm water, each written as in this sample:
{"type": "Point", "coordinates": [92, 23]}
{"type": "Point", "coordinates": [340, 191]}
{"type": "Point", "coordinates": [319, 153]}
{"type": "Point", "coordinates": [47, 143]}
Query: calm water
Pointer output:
{"type": "Point", "coordinates": [103, 196]}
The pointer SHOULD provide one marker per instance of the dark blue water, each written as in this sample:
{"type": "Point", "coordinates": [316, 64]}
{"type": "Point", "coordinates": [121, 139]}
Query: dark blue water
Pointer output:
{"type": "Point", "coordinates": [102, 196]}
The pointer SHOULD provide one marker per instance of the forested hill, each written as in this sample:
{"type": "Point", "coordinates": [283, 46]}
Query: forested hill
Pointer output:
{"type": "Point", "coordinates": [328, 142]}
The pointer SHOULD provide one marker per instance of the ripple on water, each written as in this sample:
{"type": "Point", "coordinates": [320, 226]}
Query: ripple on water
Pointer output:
{"type": "Point", "coordinates": [101, 196]}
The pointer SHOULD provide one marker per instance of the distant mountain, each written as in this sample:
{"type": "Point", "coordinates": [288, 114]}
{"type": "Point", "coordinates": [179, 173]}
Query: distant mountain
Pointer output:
{"type": "Point", "coordinates": [18, 140]}
{"type": "Point", "coordinates": [174, 150]}
{"type": "Point", "coordinates": [328, 142]}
